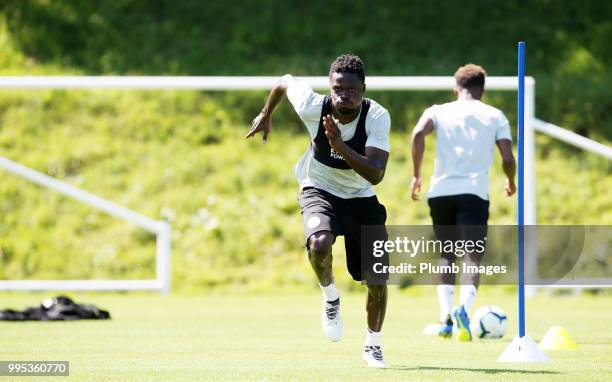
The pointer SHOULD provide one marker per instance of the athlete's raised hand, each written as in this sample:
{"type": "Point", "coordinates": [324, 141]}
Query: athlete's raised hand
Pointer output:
{"type": "Point", "coordinates": [415, 188]}
{"type": "Point", "coordinates": [262, 122]}
{"type": "Point", "coordinates": [332, 132]}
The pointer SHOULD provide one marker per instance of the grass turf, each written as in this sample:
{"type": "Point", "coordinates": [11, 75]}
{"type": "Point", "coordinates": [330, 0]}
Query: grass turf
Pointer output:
{"type": "Point", "coordinates": [278, 337]}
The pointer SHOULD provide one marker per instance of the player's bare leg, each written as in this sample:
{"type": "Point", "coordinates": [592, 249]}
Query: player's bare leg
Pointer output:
{"type": "Point", "coordinates": [376, 307]}
{"type": "Point", "coordinates": [320, 256]}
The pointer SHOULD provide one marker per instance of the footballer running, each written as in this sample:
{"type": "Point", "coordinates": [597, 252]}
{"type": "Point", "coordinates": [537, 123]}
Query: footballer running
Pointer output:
{"type": "Point", "coordinates": [347, 156]}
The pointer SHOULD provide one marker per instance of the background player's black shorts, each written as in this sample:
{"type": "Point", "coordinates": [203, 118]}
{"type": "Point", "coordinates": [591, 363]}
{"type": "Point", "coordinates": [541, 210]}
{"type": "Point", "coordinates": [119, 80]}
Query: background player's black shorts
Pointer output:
{"type": "Point", "coordinates": [322, 211]}
{"type": "Point", "coordinates": [459, 217]}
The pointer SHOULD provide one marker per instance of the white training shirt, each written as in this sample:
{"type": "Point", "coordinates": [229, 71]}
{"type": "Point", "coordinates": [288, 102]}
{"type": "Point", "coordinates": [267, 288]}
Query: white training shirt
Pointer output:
{"type": "Point", "coordinates": [466, 132]}
{"type": "Point", "coordinates": [312, 173]}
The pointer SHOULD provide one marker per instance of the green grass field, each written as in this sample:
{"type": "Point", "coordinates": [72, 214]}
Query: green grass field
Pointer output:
{"type": "Point", "coordinates": [278, 337]}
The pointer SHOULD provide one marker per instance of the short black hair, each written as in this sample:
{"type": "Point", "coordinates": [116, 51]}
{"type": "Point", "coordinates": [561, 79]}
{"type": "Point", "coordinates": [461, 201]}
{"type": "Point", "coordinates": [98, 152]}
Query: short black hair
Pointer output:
{"type": "Point", "coordinates": [348, 63]}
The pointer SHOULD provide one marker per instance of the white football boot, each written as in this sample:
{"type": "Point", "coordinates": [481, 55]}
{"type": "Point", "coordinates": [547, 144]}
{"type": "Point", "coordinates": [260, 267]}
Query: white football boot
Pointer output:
{"type": "Point", "coordinates": [373, 356]}
{"type": "Point", "coordinates": [330, 321]}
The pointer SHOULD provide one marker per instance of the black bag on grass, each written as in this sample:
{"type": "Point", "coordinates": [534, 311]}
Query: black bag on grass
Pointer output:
{"type": "Point", "coordinates": [60, 308]}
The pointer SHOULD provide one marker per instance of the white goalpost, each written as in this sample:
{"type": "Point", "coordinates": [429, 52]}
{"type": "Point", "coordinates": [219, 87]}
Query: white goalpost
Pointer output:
{"type": "Point", "coordinates": [220, 83]}
{"type": "Point", "coordinates": [161, 229]}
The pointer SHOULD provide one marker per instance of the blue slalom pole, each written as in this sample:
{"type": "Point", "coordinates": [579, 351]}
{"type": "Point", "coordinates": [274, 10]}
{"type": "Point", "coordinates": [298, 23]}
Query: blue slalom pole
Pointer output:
{"type": "Point", "coordinates": [521, 187]}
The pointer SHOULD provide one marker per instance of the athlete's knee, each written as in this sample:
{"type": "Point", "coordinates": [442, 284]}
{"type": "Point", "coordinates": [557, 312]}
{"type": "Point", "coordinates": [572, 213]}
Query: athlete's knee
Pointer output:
{"type": "Point", "coordinates": [320, 244]}
{"type": "Point", "coordinates": [377, 291]}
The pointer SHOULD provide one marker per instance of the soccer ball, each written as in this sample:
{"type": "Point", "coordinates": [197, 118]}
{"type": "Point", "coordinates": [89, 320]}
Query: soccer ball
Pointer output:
{"type": "Point", "coordinates": [489, 321]}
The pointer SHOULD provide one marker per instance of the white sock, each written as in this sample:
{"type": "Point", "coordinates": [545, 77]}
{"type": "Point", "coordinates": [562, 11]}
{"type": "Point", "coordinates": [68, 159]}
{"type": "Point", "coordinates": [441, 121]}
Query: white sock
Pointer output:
{"type": "Point", "coordinates": [446, 293]}
{"type": "Point", "coordinates": [372, 338]}
{"type": "Point", "coordinates": [467, 294]}
{"type": "Point", "coordinates": [330, 292]}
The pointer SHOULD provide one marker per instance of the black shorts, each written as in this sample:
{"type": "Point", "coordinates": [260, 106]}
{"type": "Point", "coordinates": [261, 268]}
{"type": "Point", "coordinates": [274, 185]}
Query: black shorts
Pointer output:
{"type": "Point", "coordinates": [459, 217]}
{"type": "Point", "coordinates": [322, 211]}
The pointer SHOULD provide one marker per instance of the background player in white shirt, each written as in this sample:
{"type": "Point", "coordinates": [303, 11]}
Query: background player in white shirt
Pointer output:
{"type": "Point", "coordinates": [348, 154]}
{"type": "Point", "coordinates": [467, 131]}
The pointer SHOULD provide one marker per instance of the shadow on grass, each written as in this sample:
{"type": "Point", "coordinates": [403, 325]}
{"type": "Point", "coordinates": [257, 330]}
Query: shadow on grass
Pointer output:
{"type": "Point", "coordinates": [477, 370]}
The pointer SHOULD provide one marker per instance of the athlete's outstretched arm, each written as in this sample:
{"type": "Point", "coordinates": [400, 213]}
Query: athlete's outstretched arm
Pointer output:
{"type": "Point", "coordinates": [263, 121]}
{"type": "Point", "coordinates": [371, 166]}
{"type": "Point", "coordinates": [422, 128]}
{"type": "Point", "coordinates": [508, 164]}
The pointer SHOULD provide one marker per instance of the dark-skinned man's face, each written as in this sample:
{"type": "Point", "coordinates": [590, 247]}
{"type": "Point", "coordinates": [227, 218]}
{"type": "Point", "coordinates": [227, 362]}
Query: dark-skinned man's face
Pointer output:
{"type": "Point", "coordinates": [346, 92]}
